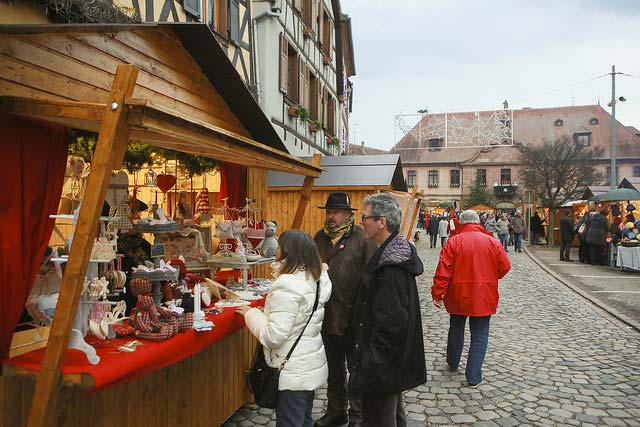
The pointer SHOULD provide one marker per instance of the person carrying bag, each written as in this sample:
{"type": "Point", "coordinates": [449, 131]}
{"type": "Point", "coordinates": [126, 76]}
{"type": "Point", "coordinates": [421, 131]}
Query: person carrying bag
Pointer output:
{"type": "Point", "coordinates": [290, 363]}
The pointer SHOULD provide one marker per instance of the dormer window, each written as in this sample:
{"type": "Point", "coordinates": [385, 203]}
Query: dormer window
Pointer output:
{"type": "Point", "coordinates": [582, 139]}
{"type": "Point", "coordinates": [558, 123]}
{"type": "Point", "coordinates": [593, 121]}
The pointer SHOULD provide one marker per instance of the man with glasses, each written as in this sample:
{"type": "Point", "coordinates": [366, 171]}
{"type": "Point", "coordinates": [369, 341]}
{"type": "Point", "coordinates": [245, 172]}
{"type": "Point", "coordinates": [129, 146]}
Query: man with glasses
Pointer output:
{"type": "Point", "coordinates": [387, 355]}
{"type": "Point", "coordinates": [343, 248]}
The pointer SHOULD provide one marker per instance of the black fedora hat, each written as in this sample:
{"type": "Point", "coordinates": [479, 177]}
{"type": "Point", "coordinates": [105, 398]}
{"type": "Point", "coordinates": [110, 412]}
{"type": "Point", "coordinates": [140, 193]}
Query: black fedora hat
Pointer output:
{"type": "Point", "coordinates": [338, 200]}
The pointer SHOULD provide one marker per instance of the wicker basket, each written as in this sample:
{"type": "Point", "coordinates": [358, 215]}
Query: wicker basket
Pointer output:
{"type": "Point", "coordinates": [169, 227]}
{"type": "Point", "coordinates": [156, 276]}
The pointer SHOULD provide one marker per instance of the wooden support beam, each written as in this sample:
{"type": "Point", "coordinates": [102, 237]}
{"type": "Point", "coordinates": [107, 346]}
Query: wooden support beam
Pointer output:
{"type": "Point", "coordinates": [416, 210]}
{"type": "Point", "coordinates": [408, 212]}
{"type": "Point", "coordinates": [114, 134]}
{"type": "Point", "coordinates": [305, 194]}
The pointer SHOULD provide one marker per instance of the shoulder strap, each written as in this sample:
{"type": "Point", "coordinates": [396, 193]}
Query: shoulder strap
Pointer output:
{"type": "Point", "coordinates": [315, 306]}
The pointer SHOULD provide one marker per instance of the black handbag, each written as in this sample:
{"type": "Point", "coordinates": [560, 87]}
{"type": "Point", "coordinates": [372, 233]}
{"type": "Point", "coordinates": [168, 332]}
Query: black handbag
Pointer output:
{"type": "Point", "coordinates": [262, 379]}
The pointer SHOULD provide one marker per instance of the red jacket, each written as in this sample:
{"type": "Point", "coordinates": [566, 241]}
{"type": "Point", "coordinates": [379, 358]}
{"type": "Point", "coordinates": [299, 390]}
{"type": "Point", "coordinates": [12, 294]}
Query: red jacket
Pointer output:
{"type": "Point", "coordinates": [456, 225]}
{"type": "Point", "coordinates": [467, 275]}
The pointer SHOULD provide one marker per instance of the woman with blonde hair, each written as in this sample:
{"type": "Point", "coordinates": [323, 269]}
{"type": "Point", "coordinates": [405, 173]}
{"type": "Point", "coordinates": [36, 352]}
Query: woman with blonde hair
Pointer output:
{"type": "Point", "coordinates": [294, 308]}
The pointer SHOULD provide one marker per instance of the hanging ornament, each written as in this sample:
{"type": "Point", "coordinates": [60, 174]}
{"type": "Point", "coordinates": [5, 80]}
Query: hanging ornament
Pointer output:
{"type": "Point", "coordinates": [165, 183]}
{"type": "Point", "coordinates": [203, 207]}
{"type": "Point", "coordinates": [150, 178]}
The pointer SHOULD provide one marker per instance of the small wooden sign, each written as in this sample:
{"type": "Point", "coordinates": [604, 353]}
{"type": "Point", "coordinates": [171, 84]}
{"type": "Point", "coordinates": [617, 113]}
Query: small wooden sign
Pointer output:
{"type": "Point", "coordinates": [158, 250]}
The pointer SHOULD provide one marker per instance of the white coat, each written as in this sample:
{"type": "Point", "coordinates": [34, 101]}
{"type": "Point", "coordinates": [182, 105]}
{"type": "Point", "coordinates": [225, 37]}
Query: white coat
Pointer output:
{"type": "Point", "coordinates": [443, 228]}
{"type": "Point", "coordinates": [288, 306]}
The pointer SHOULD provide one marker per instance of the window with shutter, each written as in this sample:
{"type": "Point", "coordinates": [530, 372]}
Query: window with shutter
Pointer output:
{"type": "Point", "coordinates": [302, 68]}
{"type": "Point", "coordinates": [308, 98]}
{"type": "Point", "coordinates": [222, 17]}
{"type": "Point", "coordinates": [325, 38]}
{"type": "Point", "coordinates": [307, 16]}
{"type": "Point", "coordinates": [193, 7]}
{"type": "Point", "coordinates": [293, 74]}
{"type": "Point", "coordinates": [234, 22]}
{"type": "Point", "coordinates": [314, 16]}
{"type": "Point", "coordinates": [325, 109]}
{"type": "Point", "coordinates": [331, 119]}
{"type": "Point", "coordinates": [284, 63]}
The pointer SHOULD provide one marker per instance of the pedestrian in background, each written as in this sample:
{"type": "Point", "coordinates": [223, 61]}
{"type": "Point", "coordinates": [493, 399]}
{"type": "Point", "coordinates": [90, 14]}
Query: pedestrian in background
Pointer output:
{"type": "Point", "coordinates": [466, 281]}
{"type": "Point", "coordinates": [536, 228]}
{"type": "Point", "coordinates": [342, 246]}
{"type": "Point", "coordinates": [491, 226]}
{"type": "Point", "coordinates": [502, 228]}
{"type": "Point", "coordinates": [518, 227]}
{"type": "Point", "coordinates": [566, 235]}
{"type": "Point", "coordinates": [290, 304]}
{"type": "Point", "coordinates": [597, 230]}
{"type": "Point", "coordinates": [434, 226]}
{"type": "Point", "coordinates": [443, 231]}
{"type": "Point", "coordinates": [386, 325]}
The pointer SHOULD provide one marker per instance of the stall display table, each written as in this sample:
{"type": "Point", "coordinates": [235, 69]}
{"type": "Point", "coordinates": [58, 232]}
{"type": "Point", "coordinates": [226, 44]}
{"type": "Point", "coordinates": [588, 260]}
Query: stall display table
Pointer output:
{"type": "Point", "coordinates": [194, 378]}
{"type": "Point", "coordinates": [628, 258]}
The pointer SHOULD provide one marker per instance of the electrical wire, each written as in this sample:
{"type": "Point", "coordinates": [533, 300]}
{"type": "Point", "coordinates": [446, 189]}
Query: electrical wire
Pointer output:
{"type": "Point", "coordinates": [562, 88]}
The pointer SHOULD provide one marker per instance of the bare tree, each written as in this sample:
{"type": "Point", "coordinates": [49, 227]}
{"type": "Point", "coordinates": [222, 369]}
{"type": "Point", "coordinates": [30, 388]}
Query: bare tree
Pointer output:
{"type": "Point", "coordinates": [558, 171]}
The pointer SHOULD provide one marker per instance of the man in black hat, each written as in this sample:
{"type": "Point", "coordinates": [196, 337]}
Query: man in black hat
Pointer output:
{"type": "Point", "coordinates": [343, 247]}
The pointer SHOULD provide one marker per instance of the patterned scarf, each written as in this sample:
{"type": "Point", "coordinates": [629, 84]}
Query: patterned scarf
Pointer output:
{"type": "Point", "coordinates": [336, 234]}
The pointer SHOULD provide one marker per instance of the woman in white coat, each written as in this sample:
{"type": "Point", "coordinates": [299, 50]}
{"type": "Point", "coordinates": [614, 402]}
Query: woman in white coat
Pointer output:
{"type": "Point", "coordinates": [288, 306]}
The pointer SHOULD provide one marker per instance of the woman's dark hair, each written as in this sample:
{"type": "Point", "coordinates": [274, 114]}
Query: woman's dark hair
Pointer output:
{"type": "Point", "coordinates": [298, 252]}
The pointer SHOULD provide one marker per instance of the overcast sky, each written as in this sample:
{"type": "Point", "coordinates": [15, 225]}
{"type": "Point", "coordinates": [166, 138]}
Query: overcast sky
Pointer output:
{"type": "Point", "coordinates": [471, 55]}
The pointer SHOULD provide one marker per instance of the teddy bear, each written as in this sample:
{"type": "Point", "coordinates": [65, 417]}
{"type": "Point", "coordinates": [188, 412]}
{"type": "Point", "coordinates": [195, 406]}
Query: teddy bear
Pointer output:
{"type": "Point", "coordinates": [152, 322]}
{"type": "Point", "coordinates": [269, 245]}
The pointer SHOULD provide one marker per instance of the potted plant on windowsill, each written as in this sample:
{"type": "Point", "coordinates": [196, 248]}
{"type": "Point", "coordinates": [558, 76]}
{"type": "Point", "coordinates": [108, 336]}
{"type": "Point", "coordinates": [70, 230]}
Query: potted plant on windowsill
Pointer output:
{"type": "Point", "coordinates": [307, 32]}
{"type": "Point", "coordinates": [298, 111]}
{"type": "Point", "coordinates": [315, 125]}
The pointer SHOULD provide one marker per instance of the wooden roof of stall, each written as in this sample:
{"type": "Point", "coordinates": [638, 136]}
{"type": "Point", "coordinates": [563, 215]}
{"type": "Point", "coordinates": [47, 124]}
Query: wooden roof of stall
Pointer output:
{"type": "Point", "coordinates": [188, 96]}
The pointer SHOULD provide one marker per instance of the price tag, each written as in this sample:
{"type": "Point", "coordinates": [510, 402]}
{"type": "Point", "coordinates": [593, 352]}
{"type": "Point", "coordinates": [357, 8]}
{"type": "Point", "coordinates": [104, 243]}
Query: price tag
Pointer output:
{"type": "Point", "coordinates": [158, 250]}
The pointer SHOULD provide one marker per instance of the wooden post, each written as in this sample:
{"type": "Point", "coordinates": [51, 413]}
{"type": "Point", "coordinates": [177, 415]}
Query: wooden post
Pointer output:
{"type": "Point", "coordinates": [407, 212]}
{"type": "Point", "coordinates": [114, 134]}
{"type": "Point", "coordinates": [416, 210]}
{"type": "Point", "coordinates": [305, 194]}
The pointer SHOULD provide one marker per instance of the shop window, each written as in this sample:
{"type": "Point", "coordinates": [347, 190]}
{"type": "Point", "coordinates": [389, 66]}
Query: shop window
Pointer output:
{"type": "Point", "coordinates": [411, 178]}
{"type": "Point", "coordinates": [636, 171]}
{"type": "Point", "coordinates": [481, 177]}
{"type": "Point", "coordinates": [582, 139]}
{"type": "Point", "coordinates": [454, 180]}
{"type": "Point", "coordinates": [505, 176]}
{"type": "Point", "coordinates": [433, 178]}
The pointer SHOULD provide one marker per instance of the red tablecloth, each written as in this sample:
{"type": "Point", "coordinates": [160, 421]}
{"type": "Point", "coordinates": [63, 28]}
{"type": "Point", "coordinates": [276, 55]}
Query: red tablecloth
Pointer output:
{"type": "Point", "coordinates": [119, 368]}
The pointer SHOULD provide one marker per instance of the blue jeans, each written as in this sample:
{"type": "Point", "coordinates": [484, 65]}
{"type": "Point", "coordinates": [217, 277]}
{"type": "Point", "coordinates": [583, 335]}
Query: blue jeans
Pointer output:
{"type": "Point", "coordinates": [517, 241]}
{"type": "Point", "coordinates": [479, 327]}
{"type": "Point", "coordinates": [504, 239]}
{"type": "Point", "coordinates": [293, 408]}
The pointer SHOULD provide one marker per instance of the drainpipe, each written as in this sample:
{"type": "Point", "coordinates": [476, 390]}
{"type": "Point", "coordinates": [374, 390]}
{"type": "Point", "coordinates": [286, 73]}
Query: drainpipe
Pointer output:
{"type": "Point", "coordinates": [256, 61]}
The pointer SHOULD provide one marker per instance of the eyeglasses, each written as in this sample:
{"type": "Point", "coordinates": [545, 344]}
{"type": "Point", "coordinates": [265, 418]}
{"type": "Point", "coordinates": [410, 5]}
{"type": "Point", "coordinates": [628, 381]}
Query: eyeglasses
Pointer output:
{"type": "Point", "coordinates": [375, 217]}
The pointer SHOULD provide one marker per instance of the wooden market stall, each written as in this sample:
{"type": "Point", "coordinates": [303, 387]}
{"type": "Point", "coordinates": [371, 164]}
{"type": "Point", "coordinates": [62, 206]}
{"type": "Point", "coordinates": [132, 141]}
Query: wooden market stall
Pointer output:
{"type": "Point", "coordinates": [481, 208]}
{"type": "Point", "coordinates": [359, 176]}
{"type": "Point", "coordinates": [172, 86]}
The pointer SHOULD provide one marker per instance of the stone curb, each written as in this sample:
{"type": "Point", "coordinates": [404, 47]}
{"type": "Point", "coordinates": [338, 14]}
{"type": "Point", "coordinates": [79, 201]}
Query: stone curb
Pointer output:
{"type": "Point", "coordinates": [621, 317]}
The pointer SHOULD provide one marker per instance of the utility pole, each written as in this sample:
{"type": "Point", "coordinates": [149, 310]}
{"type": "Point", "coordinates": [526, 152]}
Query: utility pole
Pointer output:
{"type": "Point", "coordinates": [613, 178]}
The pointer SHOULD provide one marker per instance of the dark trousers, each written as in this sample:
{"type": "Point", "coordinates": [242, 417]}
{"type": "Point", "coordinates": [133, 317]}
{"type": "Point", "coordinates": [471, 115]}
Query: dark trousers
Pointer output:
{"type": "Point", "coordinates": [293, 408]}
{"type": "Point", "coordinates": [479, 327]}
{"type": "Point", "coordinates": [443, 240]}
{"type": "Point", "coordinates": [433, 240]}
{"type": "Point", "coordinates": [335, 347]}
{"type": "Point", "coordinates": [565, 250]}
{"type": "Point", "coordinates": [385, 411]}
{"type": "Point", "coordinates": [596, 254]}
{"type": "Point", "coordinates": [583, 251]}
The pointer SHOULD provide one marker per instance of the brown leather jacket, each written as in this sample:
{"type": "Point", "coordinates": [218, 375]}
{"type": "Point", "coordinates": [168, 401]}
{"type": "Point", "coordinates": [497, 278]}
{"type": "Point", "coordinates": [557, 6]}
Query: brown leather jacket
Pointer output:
{"type": "Point", "coordinates": [345, 260]}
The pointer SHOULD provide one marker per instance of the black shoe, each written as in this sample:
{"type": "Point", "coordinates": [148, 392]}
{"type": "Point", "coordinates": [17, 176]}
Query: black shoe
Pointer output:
{"type": "Point", "coordinates": [570, 260]}
{"type": "Point", "coordinates": [331, 420]}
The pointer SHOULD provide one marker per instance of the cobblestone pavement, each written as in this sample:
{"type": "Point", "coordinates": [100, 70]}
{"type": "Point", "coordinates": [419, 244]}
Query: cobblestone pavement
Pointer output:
{"type": "Point", "coordinates": [554, 359]}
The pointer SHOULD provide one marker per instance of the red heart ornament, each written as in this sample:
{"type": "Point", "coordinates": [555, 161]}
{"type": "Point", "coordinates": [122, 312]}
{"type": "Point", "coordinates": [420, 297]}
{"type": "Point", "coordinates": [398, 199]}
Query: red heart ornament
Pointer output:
{"type": "Point", "coordinates": [165, 182]}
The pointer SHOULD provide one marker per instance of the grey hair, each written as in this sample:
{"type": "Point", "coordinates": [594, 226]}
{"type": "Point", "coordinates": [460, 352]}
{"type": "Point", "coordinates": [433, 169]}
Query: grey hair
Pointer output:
{"type": "Point", "coordinates": [384, 205]}
{"type": "Point", "coordinates": [469, 216]}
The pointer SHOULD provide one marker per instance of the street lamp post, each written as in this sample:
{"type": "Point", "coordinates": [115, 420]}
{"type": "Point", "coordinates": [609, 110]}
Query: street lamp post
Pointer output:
{"type": "Point", "coordinates": [613, 178]}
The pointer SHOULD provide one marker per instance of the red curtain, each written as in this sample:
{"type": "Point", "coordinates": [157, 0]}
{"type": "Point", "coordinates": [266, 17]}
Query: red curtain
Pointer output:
{"type": "Point", "coordinates": [32, 166]}
{"type": "Point", "coordinates": [232, 184]}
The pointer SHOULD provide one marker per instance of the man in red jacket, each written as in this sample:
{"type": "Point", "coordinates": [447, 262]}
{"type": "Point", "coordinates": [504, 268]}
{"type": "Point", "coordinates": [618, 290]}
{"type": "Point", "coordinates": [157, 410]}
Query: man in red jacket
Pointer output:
{"type": "Point", "coordinates": [466, 280]}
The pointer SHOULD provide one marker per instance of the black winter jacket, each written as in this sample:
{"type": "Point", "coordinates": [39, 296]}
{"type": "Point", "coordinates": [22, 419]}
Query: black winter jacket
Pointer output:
{"type": "Point", "coordinates": [597, 230]}
{"type": "Point", "coordinates": [566, 229]}
{"type": "Point", "coordinates": [385, 332]}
